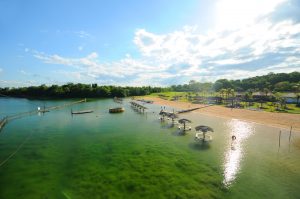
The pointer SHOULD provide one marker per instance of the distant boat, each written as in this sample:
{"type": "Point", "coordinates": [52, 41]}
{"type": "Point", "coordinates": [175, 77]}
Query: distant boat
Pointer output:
{"type": "Point", "coordinates": [81, 112]}
{"type": "Point", "coordinates": [116, 110]}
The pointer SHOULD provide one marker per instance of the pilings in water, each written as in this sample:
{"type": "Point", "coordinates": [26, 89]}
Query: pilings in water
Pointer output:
{"type": "Point", "coordinates": [290, 138]}
{"type": "Point", "coordinates": [279, 138]}
{"type": "Point", "coordinates": [138, 107]}
{"type": "Point", "coordinates": [290, 134]}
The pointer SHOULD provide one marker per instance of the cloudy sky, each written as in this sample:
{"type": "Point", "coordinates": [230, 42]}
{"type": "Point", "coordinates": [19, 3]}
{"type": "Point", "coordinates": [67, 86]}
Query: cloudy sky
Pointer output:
{"type": "Point", "coordinates": [135, 42]}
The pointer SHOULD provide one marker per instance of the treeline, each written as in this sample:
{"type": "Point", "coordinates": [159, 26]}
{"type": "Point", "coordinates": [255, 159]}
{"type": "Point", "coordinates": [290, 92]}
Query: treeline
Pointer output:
{"type": "Point", "coordinates": [280, 82]}
{"type": "Point", "coordinates": [79, 90]}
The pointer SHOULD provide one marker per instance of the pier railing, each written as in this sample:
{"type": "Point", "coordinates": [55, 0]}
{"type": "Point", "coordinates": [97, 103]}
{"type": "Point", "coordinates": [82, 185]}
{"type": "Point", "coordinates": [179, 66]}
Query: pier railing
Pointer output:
{"type": "Point", "coordinates": [28, 113]}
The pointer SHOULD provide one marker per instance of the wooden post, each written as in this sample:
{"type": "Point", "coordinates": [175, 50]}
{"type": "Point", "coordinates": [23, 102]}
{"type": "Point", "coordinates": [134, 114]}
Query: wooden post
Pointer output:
{"type": "Point", "coordinates": [279, 137]}
{"type": "Point", "coordinates": [290, 134]}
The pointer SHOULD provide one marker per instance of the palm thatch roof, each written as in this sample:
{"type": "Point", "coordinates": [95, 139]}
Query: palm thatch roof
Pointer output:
{"type": "Point", "coordinates": [168, 114]}
{"type": "Point", "coordinates": [204, 128]}
{"type": "Point", "coordinates": [183, 120]}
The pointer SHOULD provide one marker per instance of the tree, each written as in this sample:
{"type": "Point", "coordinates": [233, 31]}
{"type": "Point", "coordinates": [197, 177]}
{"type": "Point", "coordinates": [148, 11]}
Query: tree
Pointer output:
{"type": "Point", "coordinates": [266, 91]}
{"type": "Point", "coordinates": [248, 97]}
{"type": "Point", "coordinates": [280, 100]}
{"type": "Point", "coordinates": [231, 93]}
{"type": "Point", "coordinates": [282, 86]}
{"type": "Point", "coordinates": [296, 89]}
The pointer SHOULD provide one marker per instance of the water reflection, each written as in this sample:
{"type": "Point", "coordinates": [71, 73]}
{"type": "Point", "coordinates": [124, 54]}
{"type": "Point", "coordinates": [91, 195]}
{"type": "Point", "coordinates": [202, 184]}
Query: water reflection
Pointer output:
{"type": "Point", "coordinates": [233, 156]}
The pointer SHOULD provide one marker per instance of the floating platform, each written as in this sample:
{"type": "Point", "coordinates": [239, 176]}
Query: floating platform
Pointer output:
{"type": "Point", "coordinates": [116, 110]}
{"type": "Point", "coordinates": [82, 112]}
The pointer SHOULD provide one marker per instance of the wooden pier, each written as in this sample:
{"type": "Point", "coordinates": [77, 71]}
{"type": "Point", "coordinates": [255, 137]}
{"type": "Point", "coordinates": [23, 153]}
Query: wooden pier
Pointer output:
{"type": "Point", "coordinates": [145, 101]}
{"type": "Point", "coordinates": [29, 113]}
{"type": "Point", "coordinates": [3, 122]}
{"type": "Point", "coordinates": [193, 109]}
{"type": "Point", "coordinates": [138, 106]}
{"type": "Point", "coordinates": [118, 100]}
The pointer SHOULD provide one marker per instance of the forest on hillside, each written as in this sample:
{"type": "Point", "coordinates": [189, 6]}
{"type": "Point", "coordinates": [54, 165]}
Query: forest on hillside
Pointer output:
{"type": "Point", "coordinates": [71, 90]}
{"type": "Point", "coordinates": [280, 82]}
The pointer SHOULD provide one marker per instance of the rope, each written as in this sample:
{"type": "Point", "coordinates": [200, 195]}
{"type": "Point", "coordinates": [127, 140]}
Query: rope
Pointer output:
{"type": "Point", "coordinates": [19, 115]}
{"type": "Point", "coordinates": [26, 139]}
{"type": "Point", "coordinates": [16, 151]}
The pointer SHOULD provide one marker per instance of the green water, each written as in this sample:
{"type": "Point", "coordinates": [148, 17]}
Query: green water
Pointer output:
{"type": "Point", "coordinates": [134, 155]}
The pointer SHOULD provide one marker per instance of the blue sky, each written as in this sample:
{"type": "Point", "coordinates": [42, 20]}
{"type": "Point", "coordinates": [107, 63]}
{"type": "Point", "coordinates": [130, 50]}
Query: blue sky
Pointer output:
{"type": "Point", "coordinates": [134, 42]}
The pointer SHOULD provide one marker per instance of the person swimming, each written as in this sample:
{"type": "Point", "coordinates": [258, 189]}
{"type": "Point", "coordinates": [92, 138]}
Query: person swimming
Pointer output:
{"type": "Point", "coordinates": [233, 137]}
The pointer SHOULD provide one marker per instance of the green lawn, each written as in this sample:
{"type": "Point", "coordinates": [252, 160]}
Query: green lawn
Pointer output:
{"type": "Point", "coordinates": [291, 108]}
{"type": "Point", "coordinates": [184, 95]}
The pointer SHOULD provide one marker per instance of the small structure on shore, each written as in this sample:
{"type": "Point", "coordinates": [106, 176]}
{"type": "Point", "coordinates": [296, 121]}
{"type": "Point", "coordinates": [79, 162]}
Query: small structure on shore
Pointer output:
{"type": "Point", "coordinates": [116, 110]}
{"type": "Point", "coordinates": [184, 121]}
{"type": "Point", "coordinates": [201, 136]}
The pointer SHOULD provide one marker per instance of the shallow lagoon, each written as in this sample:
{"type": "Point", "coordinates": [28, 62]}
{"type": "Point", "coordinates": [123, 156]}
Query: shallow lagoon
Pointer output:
{"type": "Point", "coordinates": [134, 155]}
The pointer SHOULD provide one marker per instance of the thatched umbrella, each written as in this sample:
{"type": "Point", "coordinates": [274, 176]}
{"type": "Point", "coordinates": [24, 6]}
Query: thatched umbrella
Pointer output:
{"type": "Point", "coordinates": [203, 129]}
{"type": "Point", "coordinates": [183, 121]}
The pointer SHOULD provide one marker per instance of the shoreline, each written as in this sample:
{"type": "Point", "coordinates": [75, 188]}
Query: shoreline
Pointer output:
{"type": "Point", "coordinates": [278, 120]}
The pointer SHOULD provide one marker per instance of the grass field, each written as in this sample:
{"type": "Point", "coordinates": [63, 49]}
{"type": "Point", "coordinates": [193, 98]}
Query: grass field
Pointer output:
{"type": "Point", "coordinates": [268, 107]}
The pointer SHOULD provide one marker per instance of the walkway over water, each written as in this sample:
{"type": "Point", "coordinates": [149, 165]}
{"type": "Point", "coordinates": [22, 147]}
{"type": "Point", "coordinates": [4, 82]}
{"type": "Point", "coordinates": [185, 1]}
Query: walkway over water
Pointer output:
{"type": "Point", "coordinates": [138, 106]}
{"type": "Point", "coordinates": [193, 109]}
{"type": "Point", "coordinates": [44, 110]}
{"type": "Point", "coordinates": [20, 115]}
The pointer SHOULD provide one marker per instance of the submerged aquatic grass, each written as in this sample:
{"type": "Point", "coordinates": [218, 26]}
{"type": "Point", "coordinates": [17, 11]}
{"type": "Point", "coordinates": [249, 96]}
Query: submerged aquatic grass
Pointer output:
{"type": "Point", "coordinates": [132, 155]}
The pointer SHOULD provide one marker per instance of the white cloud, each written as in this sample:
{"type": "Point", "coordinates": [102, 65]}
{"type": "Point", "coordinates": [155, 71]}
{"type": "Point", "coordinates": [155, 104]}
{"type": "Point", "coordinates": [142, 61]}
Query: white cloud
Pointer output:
{"type": "Point", "coordinates": [236, 14]}
{"type": "Point", "coordinates": [24, 72]}
{"type": "Point", "coordinates": [18, 83]}
{"type": "Point", "coordinates": [83, 34]}
{"type": "Point", "coordinates": [246, 46]}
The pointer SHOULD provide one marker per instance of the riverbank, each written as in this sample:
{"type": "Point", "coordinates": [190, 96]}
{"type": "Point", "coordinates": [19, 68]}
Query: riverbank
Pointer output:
{"type": "Point", "coordinates": [280, 120]}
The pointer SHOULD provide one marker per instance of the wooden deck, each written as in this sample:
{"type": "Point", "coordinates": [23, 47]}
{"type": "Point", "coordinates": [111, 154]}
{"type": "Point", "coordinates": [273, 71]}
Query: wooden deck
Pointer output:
{"type": "Point", "coordinates": [192, 109]}
{"type": "Point", "coordinates": [82, 112]}
{"type": "Point", "coordinates": [3, 122]}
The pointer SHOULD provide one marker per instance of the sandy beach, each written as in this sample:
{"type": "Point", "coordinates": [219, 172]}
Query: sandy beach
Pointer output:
{"type": "Point", "coordinates": [280, 120]}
